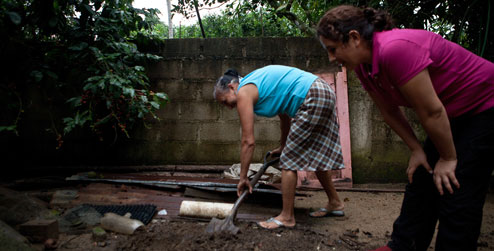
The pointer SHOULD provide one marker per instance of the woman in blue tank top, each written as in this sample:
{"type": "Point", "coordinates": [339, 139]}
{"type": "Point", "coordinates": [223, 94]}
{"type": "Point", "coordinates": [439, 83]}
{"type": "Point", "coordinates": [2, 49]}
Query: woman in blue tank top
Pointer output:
{"type": "Point", "coordinates": [309, 139]}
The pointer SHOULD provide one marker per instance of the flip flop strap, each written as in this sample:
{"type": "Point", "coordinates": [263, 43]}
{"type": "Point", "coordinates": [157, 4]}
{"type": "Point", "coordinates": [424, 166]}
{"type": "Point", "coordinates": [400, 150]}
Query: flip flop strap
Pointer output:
{"type": "Point", "coordinates": [277, 222]}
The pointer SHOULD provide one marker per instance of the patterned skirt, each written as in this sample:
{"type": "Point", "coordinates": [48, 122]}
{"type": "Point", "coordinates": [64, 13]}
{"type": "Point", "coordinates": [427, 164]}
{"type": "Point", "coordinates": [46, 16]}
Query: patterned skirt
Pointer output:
{"type": "Point", "coordinates": [313, 143]}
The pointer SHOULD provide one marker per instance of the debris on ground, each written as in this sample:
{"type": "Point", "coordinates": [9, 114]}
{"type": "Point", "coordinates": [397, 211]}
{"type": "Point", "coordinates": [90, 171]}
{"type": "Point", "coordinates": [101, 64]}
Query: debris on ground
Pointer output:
{"type": "Point", "coordinates": [271, 175]}
{"type": "Point", "coordinates": [120, 224]}
{"type": "Point", "coordinates": [78, 219]}
{"type": "Point", "coordinates": [75, 207]}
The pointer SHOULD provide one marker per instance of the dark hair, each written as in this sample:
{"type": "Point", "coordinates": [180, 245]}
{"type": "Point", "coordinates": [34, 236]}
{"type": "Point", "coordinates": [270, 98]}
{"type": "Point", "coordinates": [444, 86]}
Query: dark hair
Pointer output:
{"type": "Point", "coordinates": [230, 76]}
{"type": "Point", "coordinates": [339, 21]}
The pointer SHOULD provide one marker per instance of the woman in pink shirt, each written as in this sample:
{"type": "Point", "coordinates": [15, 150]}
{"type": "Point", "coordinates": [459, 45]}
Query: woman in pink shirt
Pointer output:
{"type": "Point", "coordinates": [452, 92]}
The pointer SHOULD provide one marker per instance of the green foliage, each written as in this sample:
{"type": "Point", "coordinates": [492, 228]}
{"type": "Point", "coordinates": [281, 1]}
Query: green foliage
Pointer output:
{"type": "Point", "coordinates": [464, 22]}
{"type": "Point", "coordinates": [248, 24]}
{"type": "Point", "coordinates": [82, 58]}
{"type": "Point", "coordinates": [296, 18]}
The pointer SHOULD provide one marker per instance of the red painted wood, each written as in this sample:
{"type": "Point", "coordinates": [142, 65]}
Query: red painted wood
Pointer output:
{"type": "Point", "coordinates": [344, 119]}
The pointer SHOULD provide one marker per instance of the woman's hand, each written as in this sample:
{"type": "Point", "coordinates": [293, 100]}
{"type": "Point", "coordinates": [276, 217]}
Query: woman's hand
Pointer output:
{"type": "Point", "coordinates": [417, 159]}
{"type": "Point", "coordinates": [276, 152]}
{"type": "Point", "coordinates": [242, 184]}
{"type": "Point", "coordinates": [444, 174]}
{"type": "Point", "coordinates": [422, 97]}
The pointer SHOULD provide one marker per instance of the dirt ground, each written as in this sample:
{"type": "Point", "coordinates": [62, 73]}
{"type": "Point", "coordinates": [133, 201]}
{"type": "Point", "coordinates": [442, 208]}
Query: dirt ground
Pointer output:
{"type": "Point", "coordinates": [366, 225]}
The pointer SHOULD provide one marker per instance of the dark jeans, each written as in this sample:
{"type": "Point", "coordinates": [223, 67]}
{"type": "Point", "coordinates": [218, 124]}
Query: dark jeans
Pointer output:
{"type": "Point", "coordinates": [460, 213]}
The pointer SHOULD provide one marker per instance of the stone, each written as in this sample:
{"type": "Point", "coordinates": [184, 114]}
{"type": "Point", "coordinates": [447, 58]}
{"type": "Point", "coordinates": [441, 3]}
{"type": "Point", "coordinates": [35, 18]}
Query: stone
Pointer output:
{"type": "Point", "coordinates": [99, 234]}
{"type": "Point", "coordinates": [17, 208]}
{"type": "Point", "coordinates": [12, 240]}
{"type": "Point", "coordinates": [63, 198]}
{"type": "Point", "coordinates": [40, 230]}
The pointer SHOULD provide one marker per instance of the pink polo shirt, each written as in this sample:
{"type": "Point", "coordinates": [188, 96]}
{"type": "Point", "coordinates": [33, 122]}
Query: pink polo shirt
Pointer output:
{"type": "Point", "coordinates": [463, 81]}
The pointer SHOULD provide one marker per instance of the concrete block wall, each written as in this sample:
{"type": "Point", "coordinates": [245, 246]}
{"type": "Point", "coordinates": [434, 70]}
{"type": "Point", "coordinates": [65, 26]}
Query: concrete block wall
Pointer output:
{"type": "Point", "coordinates": [194, 129]}
{"type": "Point", "coordinates": [199, 131]}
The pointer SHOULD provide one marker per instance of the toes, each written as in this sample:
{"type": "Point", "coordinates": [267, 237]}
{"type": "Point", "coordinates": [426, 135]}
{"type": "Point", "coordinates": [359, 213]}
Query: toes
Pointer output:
{"type": "Point", "coordinates": [268, 225]}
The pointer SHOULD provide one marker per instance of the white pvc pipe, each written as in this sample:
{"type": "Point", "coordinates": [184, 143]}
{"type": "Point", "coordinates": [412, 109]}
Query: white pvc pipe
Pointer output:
{"type": "Point", "coordinates": [205, 209]}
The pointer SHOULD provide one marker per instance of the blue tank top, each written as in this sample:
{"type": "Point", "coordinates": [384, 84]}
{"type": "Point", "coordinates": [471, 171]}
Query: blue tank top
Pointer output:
{"type": "Point", "coordinates": [282, 89]}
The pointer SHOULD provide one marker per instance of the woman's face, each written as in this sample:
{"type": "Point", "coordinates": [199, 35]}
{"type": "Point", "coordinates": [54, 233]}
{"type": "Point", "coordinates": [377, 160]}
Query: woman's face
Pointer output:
{"type": "Point", "coordinates": [228, 98]}
{"type": "Point", "coordinates": [348, 54]}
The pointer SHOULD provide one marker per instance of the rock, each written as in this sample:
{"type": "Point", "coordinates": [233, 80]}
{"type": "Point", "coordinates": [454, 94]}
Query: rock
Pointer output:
{"type": "Point", "coordinates": [99, 234]}
{"type": "Point", "coordinates": [77, 220]}
{"type": "Point", "coordinates": [51, 244]}
{"type": "Point", "coordinates": [40, 230]}
{"type": "Point", "coordinates": [17, 208]}
{"type": "Point", "coordinates": [12, 240]}
{"type": "Point", "coordinates": [63, 198]}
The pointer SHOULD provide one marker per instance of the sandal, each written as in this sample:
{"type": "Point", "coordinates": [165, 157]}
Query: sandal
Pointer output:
{"type": "Point", "coordinates": [277, 222]}
{"type": "Point", "coordinates": [327, 213]}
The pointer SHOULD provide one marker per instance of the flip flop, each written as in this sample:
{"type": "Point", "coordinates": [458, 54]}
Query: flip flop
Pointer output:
{"type": "Point", "coordinates": [277, 222]}
{"type": "Point", "coordinates": [327, 213]}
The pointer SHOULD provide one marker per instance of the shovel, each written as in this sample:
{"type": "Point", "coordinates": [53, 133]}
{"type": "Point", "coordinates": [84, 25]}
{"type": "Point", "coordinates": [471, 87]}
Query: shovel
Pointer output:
{"type": "Point", "coordinates": [217, 225]}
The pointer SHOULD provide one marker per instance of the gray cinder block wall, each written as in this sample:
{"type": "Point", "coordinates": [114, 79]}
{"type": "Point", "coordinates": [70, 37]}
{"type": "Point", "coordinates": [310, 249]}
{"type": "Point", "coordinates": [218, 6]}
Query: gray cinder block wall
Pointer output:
{"type": "Point", "coordinates": [194, 129]}
{"type": "Point", "coordinates": [197, 130]}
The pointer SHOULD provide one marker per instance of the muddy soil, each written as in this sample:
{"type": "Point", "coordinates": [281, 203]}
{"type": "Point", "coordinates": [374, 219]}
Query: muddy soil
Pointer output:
{"type": "Point", "coordinates": [366, 225]}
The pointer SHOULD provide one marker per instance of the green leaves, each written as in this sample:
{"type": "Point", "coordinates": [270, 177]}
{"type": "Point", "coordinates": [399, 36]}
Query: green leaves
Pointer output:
{"type": "Point", "coordinates": [82, 54]}
{"type": "Point", "coordinates": [12, 128]}
{"type": "Point", "coordinates": [79, 119]}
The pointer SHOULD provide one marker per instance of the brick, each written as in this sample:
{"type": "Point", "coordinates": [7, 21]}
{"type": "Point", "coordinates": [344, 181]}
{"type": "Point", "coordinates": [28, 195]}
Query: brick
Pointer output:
{"type": "Point", "coordinates": [63, 198]}
{"type": "Point", "coordinates": [40, 230]}
{"type": "Point", "coordinates": [177, 132]}
{"type": "Point", "coordinates": [214, 131]}
{"type": "Point", "coordinates": [168, 130]}
{"type": "Point", "coordinates": [166, 69]}
{"type": "Point", "coordinates": [171, 111]}
{"type": "Point", "coordinates": [227, 114]}
{"type": "Point", "coordinates": [206, 90]}
{"type": "Point", "coordinates": [180, 90]}
{"type": "Point", "coordinates": [267, 131]}
{"type": "Point", "coordinates": [201, 68]}
{"type": "Point", "coordinates": [215, 152]}
{"type": "Point", "coordinates": [199, 110]}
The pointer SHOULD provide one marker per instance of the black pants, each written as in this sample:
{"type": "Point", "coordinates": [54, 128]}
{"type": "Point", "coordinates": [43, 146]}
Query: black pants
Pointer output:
{"type": "Point", "coordinates": [460, 213]}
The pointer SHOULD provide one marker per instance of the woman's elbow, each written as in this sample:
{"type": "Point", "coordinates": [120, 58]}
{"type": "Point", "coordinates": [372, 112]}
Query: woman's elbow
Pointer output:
{"type": "Point", "coordinates": [433, 112]}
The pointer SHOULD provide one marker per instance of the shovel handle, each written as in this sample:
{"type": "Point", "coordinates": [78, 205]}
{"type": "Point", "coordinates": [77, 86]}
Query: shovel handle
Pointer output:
{"type": "Point", "coordinates": [253, 182]}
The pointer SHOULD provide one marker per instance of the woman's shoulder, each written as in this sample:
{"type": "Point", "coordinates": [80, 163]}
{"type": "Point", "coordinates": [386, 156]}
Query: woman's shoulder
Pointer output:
{"type": "Point", "coordinates": [399, 44]}
{"type": "Point", "coordinates": [403, 37]}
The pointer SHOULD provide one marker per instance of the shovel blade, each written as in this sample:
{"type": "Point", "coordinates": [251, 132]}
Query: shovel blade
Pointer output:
{"type": "Point", "coordinates": [226, 225]}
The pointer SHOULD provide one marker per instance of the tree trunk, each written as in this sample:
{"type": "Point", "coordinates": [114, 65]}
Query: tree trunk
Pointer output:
{"type": "Point", "coordinates": [170, 24]}
{"type": "Point", "coordinates": [199, 17]}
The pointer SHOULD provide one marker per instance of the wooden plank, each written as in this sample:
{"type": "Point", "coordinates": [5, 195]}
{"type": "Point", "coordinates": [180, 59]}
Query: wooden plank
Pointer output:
{"type": "Point", "coordinates": [344, 120]}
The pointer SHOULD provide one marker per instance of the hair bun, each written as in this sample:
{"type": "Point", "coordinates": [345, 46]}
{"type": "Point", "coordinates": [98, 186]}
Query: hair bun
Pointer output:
{"type": "Point", "coordinates": [369, 14]}
{"type": "Point", "coordinates": [231, 72]}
